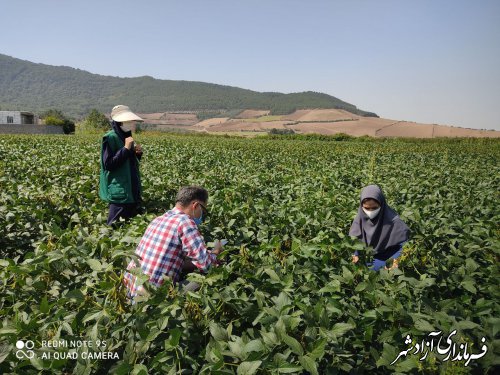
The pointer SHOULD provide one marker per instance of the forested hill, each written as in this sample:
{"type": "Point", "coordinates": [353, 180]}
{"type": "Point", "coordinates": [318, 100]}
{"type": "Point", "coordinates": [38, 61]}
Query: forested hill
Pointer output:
{"type": "Point", "coordinates": [36, 87]}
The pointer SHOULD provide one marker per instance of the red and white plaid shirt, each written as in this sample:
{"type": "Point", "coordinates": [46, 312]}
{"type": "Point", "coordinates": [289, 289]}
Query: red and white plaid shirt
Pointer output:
{"type": "Point", "coordinates": [168, 240]}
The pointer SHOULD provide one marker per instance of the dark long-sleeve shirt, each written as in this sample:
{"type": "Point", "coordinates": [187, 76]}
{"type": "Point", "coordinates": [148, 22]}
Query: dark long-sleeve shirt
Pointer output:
{"type": "Point", "coordinates": [112, 160]}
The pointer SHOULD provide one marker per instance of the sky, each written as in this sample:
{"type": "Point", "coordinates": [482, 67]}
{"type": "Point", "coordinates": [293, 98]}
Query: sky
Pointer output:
{"type": "Point", "coordinates": [429, 61]}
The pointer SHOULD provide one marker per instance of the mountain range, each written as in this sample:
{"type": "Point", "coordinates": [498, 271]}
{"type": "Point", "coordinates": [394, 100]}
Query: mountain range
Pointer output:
{"type": "Point", "coordinates": [33, 87]}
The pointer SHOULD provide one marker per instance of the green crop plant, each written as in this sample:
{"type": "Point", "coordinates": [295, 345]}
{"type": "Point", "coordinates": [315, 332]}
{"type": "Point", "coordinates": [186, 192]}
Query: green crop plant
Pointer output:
{"type": "Point", "coordinates": [287, 298]}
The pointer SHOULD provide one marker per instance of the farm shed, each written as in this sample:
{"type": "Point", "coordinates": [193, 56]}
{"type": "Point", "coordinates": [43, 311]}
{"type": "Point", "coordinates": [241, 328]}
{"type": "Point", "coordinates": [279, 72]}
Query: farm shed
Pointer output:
{"type": "Point", "coordinates": [21, 122]}
{"type": "Point", "coordinates": [18, 118]}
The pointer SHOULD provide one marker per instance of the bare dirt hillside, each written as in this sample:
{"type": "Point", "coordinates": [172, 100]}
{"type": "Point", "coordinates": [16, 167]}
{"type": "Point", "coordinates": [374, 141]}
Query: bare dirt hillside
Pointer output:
{"type": "Point", "coordinates": [251, 113]}
{"type": "Point", "coordinates": [168, 118]}
{"type": "Point", "coordinates": [333, 121]}
{"type": "Point", "coordinates": [211, 122]}
{"type": "Point", "coordinates": [321, 121]}
{"type": "Point", "coordinates": [320, 115]}
{"type": "Point", "coordinates": [239, 126]}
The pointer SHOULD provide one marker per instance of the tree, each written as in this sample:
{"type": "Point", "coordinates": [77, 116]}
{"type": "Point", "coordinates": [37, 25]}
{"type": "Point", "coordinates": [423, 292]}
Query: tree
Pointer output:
{"type": "Point", "coordinates": [68, 126]}
{"type": "Point", "coordinates": [275, 131]}
{"type": "Point", "coordinates": [56, 117]}
{"type": "Point", "coordinates": [53, 114]}
{"type": "Point", "coordinates": [53, 120]}
{"type": "Point", "coordinates": [95, 121]}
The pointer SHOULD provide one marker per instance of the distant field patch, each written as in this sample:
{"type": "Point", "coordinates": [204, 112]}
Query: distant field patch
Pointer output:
{"type": "Point", "coordinates": [212, 122]}
{"type": "Point", "coordinates": [252, 113]}
{"type": "Point", "coordinates": [268, 118]}
{"type": "Point", "coordinates": [319, 115]}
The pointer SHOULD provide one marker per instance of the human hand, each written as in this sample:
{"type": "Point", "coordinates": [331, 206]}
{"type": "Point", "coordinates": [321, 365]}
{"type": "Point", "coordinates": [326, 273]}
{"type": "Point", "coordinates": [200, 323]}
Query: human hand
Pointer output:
{"type": "Point", "coordinates": [395, 264]}
{"type": "Point", "coordinates": [138, 149]}
{"type": "Point", "coordinates": [217, 247]}
{"type": "Point", "coordinates": [129, 143]}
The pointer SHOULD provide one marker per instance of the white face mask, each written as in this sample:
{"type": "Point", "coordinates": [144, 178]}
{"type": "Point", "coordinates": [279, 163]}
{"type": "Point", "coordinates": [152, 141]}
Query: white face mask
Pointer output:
{"type": "Point", "coordinates": [128, 126]}
{"type": "Point", "coordinates": [371, 214]}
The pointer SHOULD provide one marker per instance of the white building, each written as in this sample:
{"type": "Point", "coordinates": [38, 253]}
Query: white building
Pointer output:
{"type": "Point", "coordinates": [18, 118]}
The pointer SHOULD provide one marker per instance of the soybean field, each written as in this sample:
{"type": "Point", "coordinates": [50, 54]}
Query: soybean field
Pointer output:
{"type": "Point", "coordinates": [287, 298]}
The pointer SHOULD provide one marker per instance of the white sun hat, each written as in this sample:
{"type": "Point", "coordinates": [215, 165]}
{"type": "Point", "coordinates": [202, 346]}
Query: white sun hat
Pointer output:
{"type": "Point", "coordinates": [122, 113]}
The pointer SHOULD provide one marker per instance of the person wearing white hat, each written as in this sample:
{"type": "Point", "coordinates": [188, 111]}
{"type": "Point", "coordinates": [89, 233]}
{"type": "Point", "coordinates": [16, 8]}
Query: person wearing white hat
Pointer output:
{"type": "Point", "coordinates": [120, 182]}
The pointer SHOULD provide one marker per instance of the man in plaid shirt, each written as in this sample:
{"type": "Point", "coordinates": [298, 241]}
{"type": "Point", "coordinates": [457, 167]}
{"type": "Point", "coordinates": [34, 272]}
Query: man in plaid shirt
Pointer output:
{"type": "Point", "coordinates": [172, 242]}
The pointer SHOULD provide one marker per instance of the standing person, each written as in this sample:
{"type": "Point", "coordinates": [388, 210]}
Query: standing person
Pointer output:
{"type": "Point", "coordinates": [172, 243]}
{"type": "Point", "coordinates": [379, 226]}
{"type": "Point", "coordinates": [120, 182]}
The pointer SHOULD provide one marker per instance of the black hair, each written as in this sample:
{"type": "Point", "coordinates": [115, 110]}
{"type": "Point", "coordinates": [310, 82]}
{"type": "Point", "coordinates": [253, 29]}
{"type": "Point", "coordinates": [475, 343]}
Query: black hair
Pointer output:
{"type": "Point", "coordinates": [187, 194]}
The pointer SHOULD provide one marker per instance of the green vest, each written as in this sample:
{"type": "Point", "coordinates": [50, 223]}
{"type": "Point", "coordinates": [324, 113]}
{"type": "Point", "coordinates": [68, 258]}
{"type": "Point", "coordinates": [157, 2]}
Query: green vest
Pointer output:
{"type": "Point", "coordinates": [116, 186]}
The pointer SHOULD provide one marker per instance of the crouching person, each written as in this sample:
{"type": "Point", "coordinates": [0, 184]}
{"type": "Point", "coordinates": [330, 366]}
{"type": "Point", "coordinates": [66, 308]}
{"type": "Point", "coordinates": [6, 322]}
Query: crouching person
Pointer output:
{"type": "Point", "coordinates": [379, 226]}
{"type": "Point", "coordinates": [172, 243]}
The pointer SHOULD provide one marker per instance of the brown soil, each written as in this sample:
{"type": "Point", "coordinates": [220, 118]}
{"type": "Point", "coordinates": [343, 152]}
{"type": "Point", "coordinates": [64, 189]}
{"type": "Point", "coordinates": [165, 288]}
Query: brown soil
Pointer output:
{"type": "Point", "coordinates": [168, 118]}
{"type": "Point", "coordinates": [252, 113]}
{"type": "Point", "coordinates": [211, 122]}
{"type": "Point", "coordinates": [308, 123]}
{"type": "Point", "coordinates": [320, 115]}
